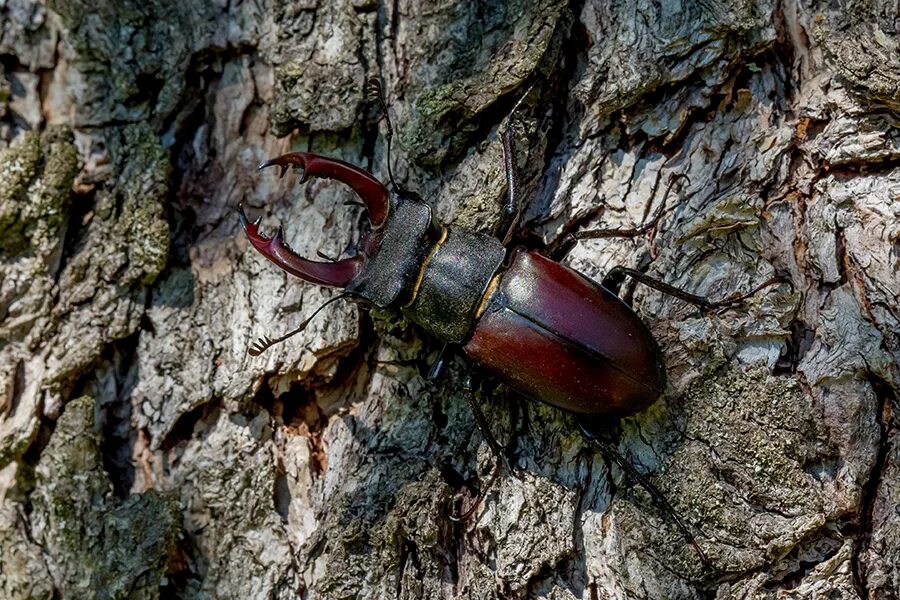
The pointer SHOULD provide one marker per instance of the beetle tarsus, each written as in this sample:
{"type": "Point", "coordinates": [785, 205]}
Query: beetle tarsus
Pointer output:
{"type": "Point", "coordinates": [737, 297]}
{"type": "Point", "coordinates": [592, 234]}
{"type": "Point", "coordinates": [260, 345]}
{"type": "Point", "coordinates": [467, 513]}
{"type": "Point", "coordinates": [560, 248]}
{"type": "Point", "coordinates": [374, 88]}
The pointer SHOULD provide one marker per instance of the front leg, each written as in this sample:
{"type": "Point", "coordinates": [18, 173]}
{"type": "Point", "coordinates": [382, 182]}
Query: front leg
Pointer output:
{"type": "Point", "coordinates": [511, 210]}
{"type": "Point", "coordinates": [512, 206]}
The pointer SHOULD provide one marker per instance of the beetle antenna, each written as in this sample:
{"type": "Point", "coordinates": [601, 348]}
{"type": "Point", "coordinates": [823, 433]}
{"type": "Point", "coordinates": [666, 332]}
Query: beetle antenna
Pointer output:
{"type": "Point", "coordinates": [611, 453]}
{"type": "Point", "coordinates": [373, 86]}
{"type": "Point", "coordinates": [264, 343]}
{"type": "Point", "coordinates": [508, 120]}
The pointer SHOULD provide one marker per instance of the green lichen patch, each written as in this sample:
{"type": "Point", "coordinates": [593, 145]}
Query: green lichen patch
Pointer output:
{"type": "Point", "coordinates": [752, 471]}
{"type": "Point", "coordinates": [23, 572]}
{"type": "Point", "coordinates": [291, 73]}
{"type": "Point", "coordinates": [120, 247]}
{"type": "Point", "coordinates": [35, 183]}
{"type": "Point", "coordinates": [95, 545]}
{"type": "Point", "coordinates": [145, 186]}
{"type": "Point", "coordinates": [18, 166]}
{"type": "Point", "coordinates": [128, 239]}
{"type": "Point", "coordinates": [133, 53]}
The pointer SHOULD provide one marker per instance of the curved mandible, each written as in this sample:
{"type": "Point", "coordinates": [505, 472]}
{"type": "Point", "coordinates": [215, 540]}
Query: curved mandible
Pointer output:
{"type": "Point", "coordinates": [372, 192]}
{"type": "Point", "coordinates": [337, 274]}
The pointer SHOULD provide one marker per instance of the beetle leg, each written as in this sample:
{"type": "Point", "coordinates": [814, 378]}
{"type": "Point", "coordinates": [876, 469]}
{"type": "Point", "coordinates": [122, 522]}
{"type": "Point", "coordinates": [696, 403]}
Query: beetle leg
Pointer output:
{"type": "Point", "coordinates": [337, 274]}
{"type": "Point", "coordinates": [509, 215]}
{"type": "Point", "coordinates": [612, 454]}
{"type": "Point", "coordinates": [499, 452]}
{"type": "Point", "coordinates": [437, 367]}
{"type": "Point", "coordinates": [370, 190]}
{"type": "Point", "coordinates": [592, 234]}
{"type": "Point", "coordinates": [561, 248]}
{"type": "Point", "coordinates": [374, 88]}
{"type": "Point", "coordinates": [464, 515]}
{"type": "Point", "coordinates": [617, 275]}
{"type": "Point", "coordinates": [512, 206]}
{"type": "Point", "coordinates": [481, 422]}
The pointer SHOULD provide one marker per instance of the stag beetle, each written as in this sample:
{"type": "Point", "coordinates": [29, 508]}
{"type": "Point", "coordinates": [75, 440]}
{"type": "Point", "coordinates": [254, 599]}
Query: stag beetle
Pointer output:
{"type": "Point", "coordinates": [545, 330]}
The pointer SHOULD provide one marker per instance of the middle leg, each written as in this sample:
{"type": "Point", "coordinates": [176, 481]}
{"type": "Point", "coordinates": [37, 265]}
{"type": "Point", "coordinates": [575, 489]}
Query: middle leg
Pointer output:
{"type": "Point", "coordinates": [561, 248]}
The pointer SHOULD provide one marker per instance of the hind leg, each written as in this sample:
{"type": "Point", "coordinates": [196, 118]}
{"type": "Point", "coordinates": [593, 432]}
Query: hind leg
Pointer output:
{"type": "Point", "coordinates": [501, 460]}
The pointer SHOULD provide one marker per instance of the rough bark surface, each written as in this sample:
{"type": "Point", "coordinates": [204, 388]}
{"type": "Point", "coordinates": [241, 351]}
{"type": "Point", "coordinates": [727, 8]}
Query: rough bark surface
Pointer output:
{"type": "Point", "coordinates": [143, 453]}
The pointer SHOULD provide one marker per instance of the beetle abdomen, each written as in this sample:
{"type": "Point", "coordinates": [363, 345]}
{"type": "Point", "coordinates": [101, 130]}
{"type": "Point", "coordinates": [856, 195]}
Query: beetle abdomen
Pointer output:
{"type": "Point", "coordinates": [558, 337]}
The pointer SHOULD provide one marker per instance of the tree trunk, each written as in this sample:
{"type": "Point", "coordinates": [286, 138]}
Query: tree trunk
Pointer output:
{"type": "Point", "coordinates": [146, 454]}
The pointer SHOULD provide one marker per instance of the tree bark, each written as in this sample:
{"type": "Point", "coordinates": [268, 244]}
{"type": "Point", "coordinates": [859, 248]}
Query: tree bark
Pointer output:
{"type": "Point", "coordinates": [144, 453]}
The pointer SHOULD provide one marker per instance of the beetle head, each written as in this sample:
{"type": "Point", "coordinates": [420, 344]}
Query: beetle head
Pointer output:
{"type": "Point", "coordinates": [338, 273]}
{"type": "Point", "coordinates": [391, 254]}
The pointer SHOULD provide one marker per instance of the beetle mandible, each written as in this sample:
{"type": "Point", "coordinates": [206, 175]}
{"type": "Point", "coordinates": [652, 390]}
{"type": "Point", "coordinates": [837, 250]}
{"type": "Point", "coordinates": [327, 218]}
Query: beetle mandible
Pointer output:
{"type": "Point", "coordinates": [544, 329]}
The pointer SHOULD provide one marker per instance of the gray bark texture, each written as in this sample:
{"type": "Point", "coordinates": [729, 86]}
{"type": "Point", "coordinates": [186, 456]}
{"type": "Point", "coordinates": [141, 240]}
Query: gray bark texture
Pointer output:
{"type": "Point", "coordinates": [145, 454]}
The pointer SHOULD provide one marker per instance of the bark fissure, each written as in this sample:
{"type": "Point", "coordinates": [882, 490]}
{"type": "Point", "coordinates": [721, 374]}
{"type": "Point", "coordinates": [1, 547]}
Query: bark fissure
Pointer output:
{"type": "Point", "coordinates": [887, 405]}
